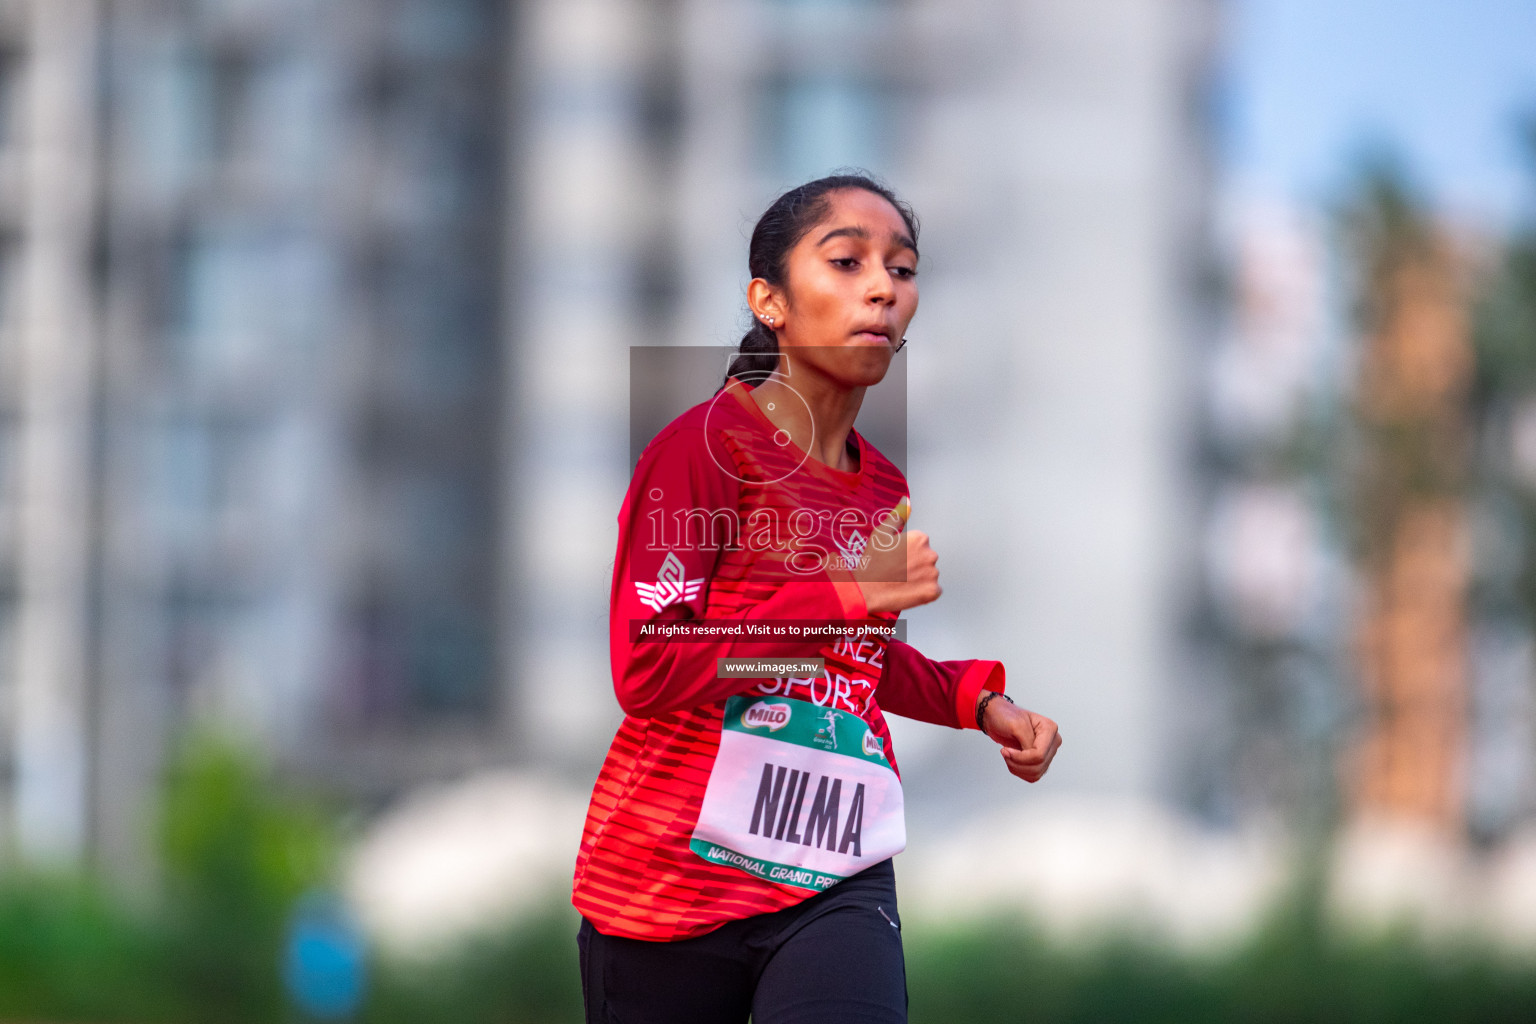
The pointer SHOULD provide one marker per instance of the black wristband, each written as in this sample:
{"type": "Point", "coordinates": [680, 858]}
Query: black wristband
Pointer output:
{"type": "Point", "coordinates": [981, 708]}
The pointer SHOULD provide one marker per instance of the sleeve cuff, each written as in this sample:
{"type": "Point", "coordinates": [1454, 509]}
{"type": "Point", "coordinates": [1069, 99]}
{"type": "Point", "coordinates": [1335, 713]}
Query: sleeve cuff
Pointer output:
{"type": "Point", "coordinates": [982, 675]}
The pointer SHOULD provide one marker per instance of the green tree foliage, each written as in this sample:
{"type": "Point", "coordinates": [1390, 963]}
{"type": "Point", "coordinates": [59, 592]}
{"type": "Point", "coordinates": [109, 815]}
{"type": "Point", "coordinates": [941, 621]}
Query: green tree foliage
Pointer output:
{"type": "Point", "coordinates": [1505, 335]}
{"type": "Point", "coordinates": [69, 953]}
{"type": "Point", "coordinates": [1504, 340]}
{"type": "Point", "coordinates": [240, 849]}
{"type": "Point", "coordinates": [237, 853]}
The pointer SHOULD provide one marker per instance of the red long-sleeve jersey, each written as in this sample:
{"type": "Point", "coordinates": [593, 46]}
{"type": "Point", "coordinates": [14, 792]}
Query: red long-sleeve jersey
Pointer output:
{"type": "Point", "coordinates": [724, 520]}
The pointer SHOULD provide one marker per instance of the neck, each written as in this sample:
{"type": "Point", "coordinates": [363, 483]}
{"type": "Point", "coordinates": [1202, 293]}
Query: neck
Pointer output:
{"type": "Point", "coordinates": [820, 430]}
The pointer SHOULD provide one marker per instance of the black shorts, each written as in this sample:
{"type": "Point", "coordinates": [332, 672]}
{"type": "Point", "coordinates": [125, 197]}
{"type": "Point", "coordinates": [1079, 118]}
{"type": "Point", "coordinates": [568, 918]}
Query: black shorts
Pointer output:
{"type": "Point", "coordinates": [835, 957]}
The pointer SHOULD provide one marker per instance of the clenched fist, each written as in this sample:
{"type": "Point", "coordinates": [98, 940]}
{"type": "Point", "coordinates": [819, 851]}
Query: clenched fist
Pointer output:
{"type": "Point", "coordinates": [891, 586]}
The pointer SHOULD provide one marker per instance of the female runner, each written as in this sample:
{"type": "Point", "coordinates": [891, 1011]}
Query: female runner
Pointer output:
{"type": "Point", "coordinates": [736, 857]}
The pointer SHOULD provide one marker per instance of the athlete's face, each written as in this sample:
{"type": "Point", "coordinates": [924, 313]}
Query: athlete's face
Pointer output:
{"type": "Point", "coordinates": [850, 290]}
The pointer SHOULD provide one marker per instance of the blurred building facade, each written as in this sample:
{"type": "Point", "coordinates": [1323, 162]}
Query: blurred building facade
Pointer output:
{"type": "Point", "coordinates": [252, 264]}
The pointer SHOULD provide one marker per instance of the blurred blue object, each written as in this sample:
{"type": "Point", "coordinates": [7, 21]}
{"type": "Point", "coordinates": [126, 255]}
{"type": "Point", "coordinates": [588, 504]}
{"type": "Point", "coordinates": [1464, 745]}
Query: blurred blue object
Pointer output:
{"type": "Point", "coordinates": [324, 961]}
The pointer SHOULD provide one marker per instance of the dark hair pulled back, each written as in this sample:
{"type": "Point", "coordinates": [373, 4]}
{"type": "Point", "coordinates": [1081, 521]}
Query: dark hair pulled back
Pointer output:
{"type": "Point", "coordinates": [778, 230]}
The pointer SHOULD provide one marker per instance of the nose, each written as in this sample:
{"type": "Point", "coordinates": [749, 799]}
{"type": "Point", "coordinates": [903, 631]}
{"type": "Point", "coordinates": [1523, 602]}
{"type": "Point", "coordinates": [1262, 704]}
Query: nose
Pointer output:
{"type": "Point", "coordinates": [882, 287]}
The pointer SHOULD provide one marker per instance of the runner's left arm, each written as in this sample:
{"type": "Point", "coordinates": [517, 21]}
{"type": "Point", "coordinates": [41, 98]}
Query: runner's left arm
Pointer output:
{"type": "Point", "coordinates": [913, 685]}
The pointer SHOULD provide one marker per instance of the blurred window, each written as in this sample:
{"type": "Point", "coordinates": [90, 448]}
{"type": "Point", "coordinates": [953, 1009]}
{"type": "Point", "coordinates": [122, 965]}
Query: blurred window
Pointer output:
{"type": "Point", "coordinates": [219, 308]}
{"type": "Point", "coordinates": [818, 124]}
{"type": "Point", "coordinates": [835, 13]}
{"type": "Point", "coordinates": [214, 107]}
{"type": "Point", "coordinates": [443, 28]}
{"type": "Point", "coordinates": [439, 322]}
{"type": "Point", "coordinates": [10, 487]}
{"type": "Point", "coordinates": [440, 156]}
{"type": "Point", "coordinates": [8, 462]}
{"type": "Point", "coordinates": [840, 19]}
{"type": "Point", "coordinates": [424, 639]}
{"type": "Point", "coordinates": [227, 89]}
{"type": "Point", "coordinates": [441, 538]}
{"type": "Point", "coordinates": [1213, 106]}
{"type": "Point", "coordinates": [10, 81]}
{"type": "Point", "coordinates": [163, 92]}
{"type": "Point", "coordinates": [285, 108]}
{"type": "Point", "coordinates": [259, 113]}
{"type": "Point", "coordinates": [250, 15]}
{"type": "Point", "coordinates": [8, 656]}
{"type": "Point", "coordinates": [187, 483]}
{"type": "Point", "coordinates": [244, 302]}
{"type": "Point", "coordinates": [450, 666]}
{"type": "Point", "coordinates": [212, 650]}
{"type": "Point", "coordinates": [416, 661]}
{"type": "Point", "coordinates": [10, 272]}
{"type": "Point", "coordinates": [212, 483]}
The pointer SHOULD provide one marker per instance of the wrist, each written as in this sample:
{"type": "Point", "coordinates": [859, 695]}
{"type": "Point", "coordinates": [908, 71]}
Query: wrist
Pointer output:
{"type": "Point", "coordinates": [984, 699]}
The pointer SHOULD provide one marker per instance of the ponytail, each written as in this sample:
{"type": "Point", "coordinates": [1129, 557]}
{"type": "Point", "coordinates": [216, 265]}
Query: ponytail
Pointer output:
{"type": "Point", "coordinates": [759, 355]}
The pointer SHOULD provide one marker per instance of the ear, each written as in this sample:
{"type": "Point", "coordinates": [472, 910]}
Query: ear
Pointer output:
{"type": "Point", "coordinates": [767, 303]}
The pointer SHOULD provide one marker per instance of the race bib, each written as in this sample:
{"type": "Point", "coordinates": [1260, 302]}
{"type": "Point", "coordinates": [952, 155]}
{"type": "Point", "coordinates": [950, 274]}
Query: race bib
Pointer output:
{"type": "Point", "coordinates": [799, 794]}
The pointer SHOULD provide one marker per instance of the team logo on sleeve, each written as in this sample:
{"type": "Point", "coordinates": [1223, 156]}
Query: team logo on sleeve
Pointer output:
{"type": "Point", "coordinates": [852, 551]}
{"type": "Point", "coordinates": [670, 586]}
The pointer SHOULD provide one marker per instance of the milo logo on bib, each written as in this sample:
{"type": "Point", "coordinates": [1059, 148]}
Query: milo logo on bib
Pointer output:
{"type": "Point", "coordinates": [799, 795]}
{"type": "Point", "coordinates": [772, 717]}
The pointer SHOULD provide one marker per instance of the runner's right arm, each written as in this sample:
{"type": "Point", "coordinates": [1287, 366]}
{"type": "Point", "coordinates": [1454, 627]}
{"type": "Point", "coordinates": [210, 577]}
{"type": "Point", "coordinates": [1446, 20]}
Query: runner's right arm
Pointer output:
{"type": "Point", "coordinates": [662, 575]}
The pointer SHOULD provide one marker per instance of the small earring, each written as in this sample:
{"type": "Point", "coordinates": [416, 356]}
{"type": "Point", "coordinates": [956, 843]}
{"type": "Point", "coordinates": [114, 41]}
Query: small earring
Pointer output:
{"type": "Point", "coordinates": [768, 320]}
{"type": "Point", "coordinates": [899, 347]}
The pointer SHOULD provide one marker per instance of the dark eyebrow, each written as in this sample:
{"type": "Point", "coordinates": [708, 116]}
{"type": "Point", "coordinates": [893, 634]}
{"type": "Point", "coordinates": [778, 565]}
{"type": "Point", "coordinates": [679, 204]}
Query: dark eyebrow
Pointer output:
{"type": "Point", "coordinates": [853, 232]}
{"type": "Point", "coordinates": [858, 232]}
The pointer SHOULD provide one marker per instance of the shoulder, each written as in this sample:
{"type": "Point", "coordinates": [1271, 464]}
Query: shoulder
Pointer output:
{"type": "Point", "coordinates": [688, 435]}
{"type": "Point", "coordinates": [696, 432]}
{"type": "Point", "coordinates": [689, 451]}
{"type": "Point", "coordinates": [882, 473]}
{"type": "Point", "coordinates": [683, 430]}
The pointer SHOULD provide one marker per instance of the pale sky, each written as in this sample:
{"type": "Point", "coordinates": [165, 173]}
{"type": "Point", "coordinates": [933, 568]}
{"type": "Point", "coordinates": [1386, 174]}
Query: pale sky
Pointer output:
{"type": "Point", "coordinates": [1312, 82]}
